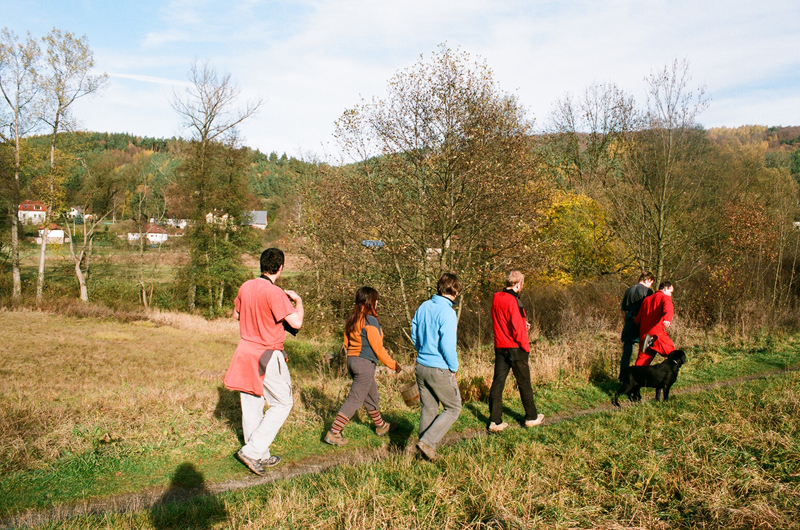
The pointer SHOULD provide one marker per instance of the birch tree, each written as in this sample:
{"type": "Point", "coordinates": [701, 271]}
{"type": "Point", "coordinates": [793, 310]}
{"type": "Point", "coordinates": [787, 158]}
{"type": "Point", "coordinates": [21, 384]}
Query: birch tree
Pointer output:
{"type": "Point", "coordinates": [664, 176]}
{"type": "Point", "coordinates": [20, 89]}
{"type": "Point", "coordinates": [66, 77]}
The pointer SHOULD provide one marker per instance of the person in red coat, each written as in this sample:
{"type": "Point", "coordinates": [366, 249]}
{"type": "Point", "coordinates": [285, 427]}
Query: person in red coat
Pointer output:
{"type": "Point", "coordinates": [655, 316]}
{"type": "Point", "coordinates": [511, 350]}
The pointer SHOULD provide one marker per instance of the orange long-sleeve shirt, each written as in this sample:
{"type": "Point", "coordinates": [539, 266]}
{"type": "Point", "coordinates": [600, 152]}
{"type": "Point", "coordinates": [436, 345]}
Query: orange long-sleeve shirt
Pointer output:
{"type": "Point", "coordinates": [367, 341]}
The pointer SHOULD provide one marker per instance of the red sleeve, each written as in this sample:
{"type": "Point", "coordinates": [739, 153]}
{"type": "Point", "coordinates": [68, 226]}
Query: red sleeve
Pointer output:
{"type": "Point", "coordinates": [279, 304]}
{"type": "Point", "coordinates": [519, 328]}
{"type": "Point", "coordinates": [668, 309]}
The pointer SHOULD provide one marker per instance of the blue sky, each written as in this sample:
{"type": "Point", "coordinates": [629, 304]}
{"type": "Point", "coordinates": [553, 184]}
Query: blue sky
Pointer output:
{"type": "Point", "coordinates": [311, 60]}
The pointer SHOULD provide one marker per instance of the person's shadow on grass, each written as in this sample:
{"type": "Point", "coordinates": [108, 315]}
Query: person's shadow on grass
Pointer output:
{"type": "Point", "coordinates": [187, 503]}
{"type": "Point", "coordinates": [229, 410]}
{"type": "Point", "coordinates": [400, 437]}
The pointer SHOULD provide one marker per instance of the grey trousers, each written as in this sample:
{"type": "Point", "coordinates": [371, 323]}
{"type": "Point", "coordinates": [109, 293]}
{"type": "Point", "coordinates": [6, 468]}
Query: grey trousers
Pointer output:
{"type": "Point", "coordinates": [437, 385]}
{"type": "Point", "coordinates": [364, 390]}
{"type": "Point", "coordinates": [260, 428]}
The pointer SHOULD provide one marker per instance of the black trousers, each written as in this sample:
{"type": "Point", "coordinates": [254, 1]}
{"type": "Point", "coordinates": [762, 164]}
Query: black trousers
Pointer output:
{"type": "Point", "coordinates": [515, 360]}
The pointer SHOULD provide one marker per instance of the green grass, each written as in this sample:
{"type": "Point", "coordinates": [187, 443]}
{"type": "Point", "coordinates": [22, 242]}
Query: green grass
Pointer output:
{"type": "Point", "coordinates": [93, 408]}
{"type": "Point", "coordinates": [727, 458]}
{"type": "Point", "coordinates": [118, 264]}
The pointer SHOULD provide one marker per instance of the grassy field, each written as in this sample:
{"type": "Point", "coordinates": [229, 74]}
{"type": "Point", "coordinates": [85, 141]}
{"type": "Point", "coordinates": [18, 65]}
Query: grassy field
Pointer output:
{"type": "Point", "coordinates": [92, 408]}
{"type": "Point", "coordinates": [115, 271]}
{"type": "Point", "coordinates": [723, 459]}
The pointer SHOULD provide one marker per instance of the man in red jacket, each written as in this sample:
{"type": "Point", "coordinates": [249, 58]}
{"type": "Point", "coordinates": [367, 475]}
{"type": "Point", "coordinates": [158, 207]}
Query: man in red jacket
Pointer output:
{"type": "Point", "coordinates": [655, 316]}
{"type": "Point", "coordinates": [511, 349]}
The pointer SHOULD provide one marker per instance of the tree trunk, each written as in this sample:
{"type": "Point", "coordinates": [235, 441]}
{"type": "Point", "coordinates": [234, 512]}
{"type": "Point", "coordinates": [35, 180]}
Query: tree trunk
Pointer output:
{"type": "Point", "coordinates": [81, 281]}
{"type": "Point", "coordinates": [42, 251]}
{"type": "Point", "coordinates": [16, 292]}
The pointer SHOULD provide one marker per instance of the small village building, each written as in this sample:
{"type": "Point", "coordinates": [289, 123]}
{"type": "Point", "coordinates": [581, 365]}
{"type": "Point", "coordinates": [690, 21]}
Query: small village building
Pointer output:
{"type": "Point", "coordinates": [55, 235]}
{"type": "Point", "coordinates": [155, 234]}
{"type": "Point", "coordinates": [258, 219]}
{"type": "Point", "coordinates": [215, 218]}
{"type": "Point", "coordinates": [31, 212]}
{"type": "Point", "coordinates": [176, 223]}
{"type": "Point", "coordinates": [75, 212]}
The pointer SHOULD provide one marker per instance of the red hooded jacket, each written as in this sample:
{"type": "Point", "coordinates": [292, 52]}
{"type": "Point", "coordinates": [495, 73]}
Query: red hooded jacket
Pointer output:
{"type": "Point", "coordinates": [655, 309]}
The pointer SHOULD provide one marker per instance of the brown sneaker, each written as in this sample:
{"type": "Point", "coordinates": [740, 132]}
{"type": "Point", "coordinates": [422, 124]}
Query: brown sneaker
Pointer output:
{"type": "Point", "coordinates": [335, 438]}
{"type": "Point", "coordinates": [269, 462]}
{"type": "Point", "coordinates": [386, 427]}
{"type": "Point", "coordinates": [428, 451]}
{"type": "Point", "coordinates": [533, 423]}
{"type": "Point", "coordinates": [252, 464]}
{"type": "Point", "coordinates": [495, 428]}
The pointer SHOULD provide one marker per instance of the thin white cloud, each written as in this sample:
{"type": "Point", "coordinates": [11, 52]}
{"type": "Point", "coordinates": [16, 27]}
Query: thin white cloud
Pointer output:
{"type": "Point", "coordinates": [312, 59]}
{"type": "Point", "coordinates": [150, 79]}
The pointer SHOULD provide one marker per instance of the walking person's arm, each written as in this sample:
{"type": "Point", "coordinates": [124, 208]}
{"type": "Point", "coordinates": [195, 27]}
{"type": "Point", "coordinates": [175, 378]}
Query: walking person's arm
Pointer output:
{"type": "Point", "coordinates": [295, 319]}
{"type": "Point", "coordinates": [375, 339]}
{"type": "Point", "coordinates": [447, 341]}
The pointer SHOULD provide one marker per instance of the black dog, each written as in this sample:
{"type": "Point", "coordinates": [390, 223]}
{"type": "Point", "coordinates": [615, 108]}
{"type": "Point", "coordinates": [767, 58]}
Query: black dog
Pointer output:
{"type": "Point", "coordinates": [659, 376]}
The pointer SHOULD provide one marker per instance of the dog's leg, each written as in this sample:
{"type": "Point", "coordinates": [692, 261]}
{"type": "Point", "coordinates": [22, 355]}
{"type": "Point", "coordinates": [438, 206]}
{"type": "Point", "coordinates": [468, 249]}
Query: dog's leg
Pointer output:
{"type": "Point", "coordinates": [666, 393]}
{"type": "Point", "coordinates": [658, 394]}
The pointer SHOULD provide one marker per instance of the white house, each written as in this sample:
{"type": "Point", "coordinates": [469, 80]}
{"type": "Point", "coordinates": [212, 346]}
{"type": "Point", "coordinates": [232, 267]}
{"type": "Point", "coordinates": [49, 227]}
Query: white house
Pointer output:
{"type": "Point", "coordinates": [55, 234]}
{"type": "Point", "coordinates": [155, 234]}
{"type": "Point", "coordinates": [75, 212]}
{"type": "Point", "coordinates": [213, 218]}
{"type": "Point", "coordinates": [257, 219]}
{"type": "Point", "coordinates": [177, 223]}
{"type": "Point", "coordinates": [31, 212]}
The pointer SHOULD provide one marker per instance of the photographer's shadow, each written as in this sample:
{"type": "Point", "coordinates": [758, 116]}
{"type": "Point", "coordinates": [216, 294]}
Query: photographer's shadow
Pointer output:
{"type": "Point", "coordinates": [187, 503]}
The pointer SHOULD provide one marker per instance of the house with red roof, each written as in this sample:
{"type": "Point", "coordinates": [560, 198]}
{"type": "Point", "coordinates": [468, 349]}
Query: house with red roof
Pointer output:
{"type": "Point", "coordinates": [155, 234]}
{"type": "Point", "coordinates": [55, 234]}
{"type": "Point", "coordinates": [31, 212]}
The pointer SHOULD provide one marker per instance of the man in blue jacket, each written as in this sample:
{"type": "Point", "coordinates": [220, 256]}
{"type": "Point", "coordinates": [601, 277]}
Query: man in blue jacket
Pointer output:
{"type": "Point", "coordinates": [433, 331]}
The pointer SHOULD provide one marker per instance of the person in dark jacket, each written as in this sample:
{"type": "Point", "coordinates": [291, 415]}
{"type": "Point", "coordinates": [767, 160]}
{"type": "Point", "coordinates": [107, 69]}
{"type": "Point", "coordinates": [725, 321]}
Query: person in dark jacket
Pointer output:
{"type": "Point", "coordinates": [631, 302]}
{"type": "Point", "coordinates": [511, 350]}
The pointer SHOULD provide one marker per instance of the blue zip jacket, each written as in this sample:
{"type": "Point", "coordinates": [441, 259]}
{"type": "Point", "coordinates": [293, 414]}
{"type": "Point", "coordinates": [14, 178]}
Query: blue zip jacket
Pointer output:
{"type": "Point", "coordinates": [433, 331]}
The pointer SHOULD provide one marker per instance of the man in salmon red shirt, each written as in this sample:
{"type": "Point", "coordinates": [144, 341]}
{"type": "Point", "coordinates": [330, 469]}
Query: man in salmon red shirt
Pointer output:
{"type": "Point", "coordinates": [258, 369]}
{"type": "Point", "coordinates": [511, 349]}
{"type": "Point", "coordinates": [655, 316]}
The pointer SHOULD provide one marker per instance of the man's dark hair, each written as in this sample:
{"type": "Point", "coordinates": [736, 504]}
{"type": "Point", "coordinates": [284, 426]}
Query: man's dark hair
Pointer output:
{"type": "Point", "coordinates": [448, 284]}
{"type": "Point", "coordinates": [271, 260]}
{"type": "Point", "coordinates": [645, 276]}
{"type": "Point", "coordinates": [665, 284]}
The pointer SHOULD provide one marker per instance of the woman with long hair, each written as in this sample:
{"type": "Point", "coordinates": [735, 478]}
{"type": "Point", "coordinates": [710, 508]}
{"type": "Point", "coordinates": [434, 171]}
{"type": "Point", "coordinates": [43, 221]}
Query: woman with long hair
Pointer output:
{"type": "Point", "coordinates": [363, 341]}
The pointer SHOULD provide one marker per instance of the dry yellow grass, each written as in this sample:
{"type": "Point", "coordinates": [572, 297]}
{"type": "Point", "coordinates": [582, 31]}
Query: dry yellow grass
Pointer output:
{"type": "Point", "coordinates": [69, 380]}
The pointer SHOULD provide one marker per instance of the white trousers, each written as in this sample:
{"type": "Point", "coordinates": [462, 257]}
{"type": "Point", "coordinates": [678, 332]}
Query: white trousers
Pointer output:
{"type": "Point", "coordinates": [260, 428]}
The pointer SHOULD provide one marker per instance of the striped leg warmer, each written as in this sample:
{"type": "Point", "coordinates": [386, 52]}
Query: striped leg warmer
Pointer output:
{"type": "Point", "coordinates": [339, 423]}
{"type": "Point", "coordinates": [376, 417]}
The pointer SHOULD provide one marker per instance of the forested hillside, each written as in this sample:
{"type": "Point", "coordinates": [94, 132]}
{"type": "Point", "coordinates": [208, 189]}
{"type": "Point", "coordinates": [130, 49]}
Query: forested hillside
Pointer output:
{"type": "Point", "coordinates": [116, 164]}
